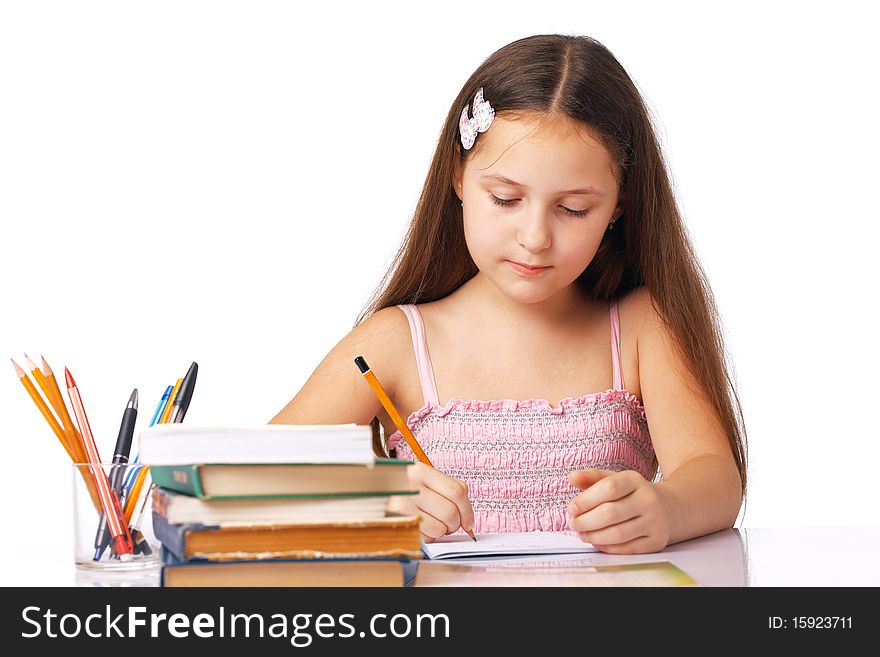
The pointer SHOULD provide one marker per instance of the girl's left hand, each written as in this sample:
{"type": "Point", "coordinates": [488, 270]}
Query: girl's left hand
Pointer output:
{"type": "Point", "coordinates": [619, 512]}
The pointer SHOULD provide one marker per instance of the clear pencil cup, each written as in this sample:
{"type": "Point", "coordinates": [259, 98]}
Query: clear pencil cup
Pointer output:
{"type": "Point", "coordinates": [112, 517]}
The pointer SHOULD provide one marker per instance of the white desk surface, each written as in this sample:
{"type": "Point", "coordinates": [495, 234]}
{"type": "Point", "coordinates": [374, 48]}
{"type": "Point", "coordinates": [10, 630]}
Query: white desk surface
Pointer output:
{"type": "Point", "coordinates": [785, 556]}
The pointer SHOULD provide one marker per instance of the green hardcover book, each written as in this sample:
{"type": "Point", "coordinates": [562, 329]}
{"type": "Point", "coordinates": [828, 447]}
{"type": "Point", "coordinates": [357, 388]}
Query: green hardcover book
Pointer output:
{"type": "Point", "coordinates": [231, 480]}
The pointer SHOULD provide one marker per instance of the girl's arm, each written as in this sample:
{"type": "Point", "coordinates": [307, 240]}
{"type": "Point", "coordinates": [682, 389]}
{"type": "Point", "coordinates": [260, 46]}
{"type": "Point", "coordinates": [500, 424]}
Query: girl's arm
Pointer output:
{"type": "Point", "coordinates": [622, 512]}
{"type": "Point", "coordinates": [701, 484]}
{"type": "Point", "coordinates": [336, 392]}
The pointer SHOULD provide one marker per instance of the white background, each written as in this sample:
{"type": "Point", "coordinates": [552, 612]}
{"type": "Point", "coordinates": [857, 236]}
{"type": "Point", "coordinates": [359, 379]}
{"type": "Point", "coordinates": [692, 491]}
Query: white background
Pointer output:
{"type": "Point", "coordinates": [227, 183]}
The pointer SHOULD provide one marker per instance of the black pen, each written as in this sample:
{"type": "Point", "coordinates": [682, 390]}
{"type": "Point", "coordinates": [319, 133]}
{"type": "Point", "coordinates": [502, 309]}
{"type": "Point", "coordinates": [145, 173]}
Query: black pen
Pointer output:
{"type": "Point", "coordinates": [180, 406]}
{"type": "Point", "coordinates": [184, 395]}
{"type": "Point", "coordinates": [117, 472]}
{"type": "Point", "coordinates": [179, 409]}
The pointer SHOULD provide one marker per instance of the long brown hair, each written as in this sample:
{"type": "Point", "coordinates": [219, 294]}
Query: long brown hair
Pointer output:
{"type": "Point", "coordinates": [578, 78]}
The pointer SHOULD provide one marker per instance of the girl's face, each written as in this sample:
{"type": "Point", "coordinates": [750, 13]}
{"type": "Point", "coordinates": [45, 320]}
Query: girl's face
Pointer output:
{"type": "Point", "coordinates": [540, 195]}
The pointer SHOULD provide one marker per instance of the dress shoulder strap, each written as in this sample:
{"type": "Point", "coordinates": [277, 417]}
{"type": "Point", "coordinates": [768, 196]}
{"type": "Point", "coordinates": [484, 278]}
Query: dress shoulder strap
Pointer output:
{"type": "Point", "coordinates": [619, 383]}
{"type": "Point", "coordinates": [420, 347]}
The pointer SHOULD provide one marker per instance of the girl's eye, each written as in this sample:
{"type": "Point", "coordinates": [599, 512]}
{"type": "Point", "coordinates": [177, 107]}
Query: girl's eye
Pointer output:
{"type": "Point", "coordinates": [504, 202]}
{"type": "Point", "coordinates": [507, 202]}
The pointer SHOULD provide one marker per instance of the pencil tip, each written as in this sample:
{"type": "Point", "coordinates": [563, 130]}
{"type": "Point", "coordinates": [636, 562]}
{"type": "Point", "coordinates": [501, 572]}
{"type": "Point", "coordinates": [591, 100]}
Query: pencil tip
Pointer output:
{"type": "Point", "coordinates": [69, 378]}
{"type": "Point", "coordinates": [133, 400]}
{"type": "Point", "coordinates": [46, 369]}
{"type": "Point", "coordinates": [18, 369]}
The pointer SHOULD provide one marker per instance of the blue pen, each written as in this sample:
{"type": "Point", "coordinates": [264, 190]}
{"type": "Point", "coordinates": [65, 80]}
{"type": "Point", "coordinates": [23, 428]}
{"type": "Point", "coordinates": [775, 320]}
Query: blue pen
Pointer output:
{"type": "Point", "coordinates": [161, 407]}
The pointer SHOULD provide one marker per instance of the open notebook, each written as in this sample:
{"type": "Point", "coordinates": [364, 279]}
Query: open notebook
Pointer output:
{"type": "Point", "coordinates": [512, 543]}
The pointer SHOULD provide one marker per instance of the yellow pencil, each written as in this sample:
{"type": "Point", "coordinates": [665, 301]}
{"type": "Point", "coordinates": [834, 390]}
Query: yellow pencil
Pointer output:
{"type": "Point", "coordinates": [73, 435]}
{"type": "Point", "coordinates": [73, 439]}
{"type": "Point", "coordinates": [136, 487]}
{"type": "Point", "coordinates": [44, 409]}
{"type": "Point", "coordinates": [395, 417]}
{"type": "Point", "coordinates": [167, 412]}
{"type": "Point", "coordinates": [69, 427]}
{"type": "Point", "coordinates": [59, 432]}
{"type": "Point", "coordinates": [44, 386]}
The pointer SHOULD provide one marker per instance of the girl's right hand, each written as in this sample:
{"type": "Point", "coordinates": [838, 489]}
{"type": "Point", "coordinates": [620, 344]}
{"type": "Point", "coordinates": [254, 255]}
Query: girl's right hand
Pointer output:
{"type": "Point", "coordinates": [442, 502]}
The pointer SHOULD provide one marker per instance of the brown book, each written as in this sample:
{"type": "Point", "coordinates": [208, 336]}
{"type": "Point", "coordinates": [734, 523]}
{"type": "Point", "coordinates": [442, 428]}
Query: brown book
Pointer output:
{"type": "Point", "coordinates": [286, 573]}
{"type": "Point", "coordinates": [392, 536]}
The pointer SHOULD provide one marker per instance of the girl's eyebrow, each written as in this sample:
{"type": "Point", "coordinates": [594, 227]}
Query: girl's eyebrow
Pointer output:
{"type": "Point", "coordinates": [500, 178]}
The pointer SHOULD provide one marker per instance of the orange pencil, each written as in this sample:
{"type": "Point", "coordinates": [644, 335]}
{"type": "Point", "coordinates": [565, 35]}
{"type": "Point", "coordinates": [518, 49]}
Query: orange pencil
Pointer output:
{"type": "Point", "coordinates": [44, 409]}
{"type": "Point", "coordinates": [41, 381]}
{"type": "Point", "coordinates": [59, 433]}
{"type": "Point", "coordinates": [76, 441]}
{"type": "Point", "coordinates": [395, 417]}
{"type": "Point", "coordinates": [61, 409]}
{"type": "Point", "coordinates": [73, 438]}
{"type": "Point", "coordinates": [168, 407]}
{"type": "Point", "coordinates": [136, 487]}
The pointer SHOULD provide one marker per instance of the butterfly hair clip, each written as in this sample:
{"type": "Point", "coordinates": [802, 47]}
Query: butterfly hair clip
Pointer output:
{"type": "Point", "coordinates": [483, 114]}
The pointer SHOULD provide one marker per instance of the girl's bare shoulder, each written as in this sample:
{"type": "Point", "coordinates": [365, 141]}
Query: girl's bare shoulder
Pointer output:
{"type": "Point", "coordinates": [637, 312]}
{"type": "Point", "coordinates": [386, 334]}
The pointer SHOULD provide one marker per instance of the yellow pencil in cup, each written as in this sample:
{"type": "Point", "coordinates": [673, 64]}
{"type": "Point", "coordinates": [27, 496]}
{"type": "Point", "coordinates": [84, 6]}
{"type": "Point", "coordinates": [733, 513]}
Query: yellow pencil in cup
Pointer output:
{"type": "Point", "coordinates": [167, 412]}
{"type": "Point", "coordinates": [73, 439]}
{"type": "Point", "coordinates": [66, 421]}
{"type": "Point", "coordinates": [44, 409]}
{"type": "Point", "coordinates": [395, 417]}
{"type": "Point", "coordinates": [134, 493]}
{"type": "Point", "coordinates": [136, 488]}
{"type": "Point", "coordinates": [63, 438]}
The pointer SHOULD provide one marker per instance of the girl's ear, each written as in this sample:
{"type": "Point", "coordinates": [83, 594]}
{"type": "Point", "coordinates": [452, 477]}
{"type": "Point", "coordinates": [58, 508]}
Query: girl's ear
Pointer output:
{"type": "Point", "coordinates": [456, 182]}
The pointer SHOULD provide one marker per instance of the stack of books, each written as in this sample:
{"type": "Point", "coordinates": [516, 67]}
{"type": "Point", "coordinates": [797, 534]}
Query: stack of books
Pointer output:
{"type": "Point", "coordinates": [278, 505]}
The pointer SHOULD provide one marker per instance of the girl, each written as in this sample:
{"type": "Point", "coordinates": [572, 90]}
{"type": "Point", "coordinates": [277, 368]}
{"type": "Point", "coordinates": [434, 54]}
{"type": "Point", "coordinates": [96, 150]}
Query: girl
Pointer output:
{"type": "Point", "coordinates": [547, 262]}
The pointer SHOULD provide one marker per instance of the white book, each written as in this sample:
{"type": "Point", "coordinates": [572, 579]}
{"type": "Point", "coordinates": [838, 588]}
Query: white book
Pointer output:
{"type": "Point", "coordinates": [181, 509]}
{"type": "Point", "coordinates": [177, 444]}
{"type": "Point", "coordinates": [457, 546]}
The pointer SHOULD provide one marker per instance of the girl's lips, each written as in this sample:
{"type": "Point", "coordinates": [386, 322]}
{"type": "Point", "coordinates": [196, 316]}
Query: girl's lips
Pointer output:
{"type": "Point", "coordinates": [527, 271]}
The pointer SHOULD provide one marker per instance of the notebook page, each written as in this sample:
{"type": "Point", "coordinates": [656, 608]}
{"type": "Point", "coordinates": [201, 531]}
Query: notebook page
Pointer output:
{"type": "Point", "coordinates": [461, 545]}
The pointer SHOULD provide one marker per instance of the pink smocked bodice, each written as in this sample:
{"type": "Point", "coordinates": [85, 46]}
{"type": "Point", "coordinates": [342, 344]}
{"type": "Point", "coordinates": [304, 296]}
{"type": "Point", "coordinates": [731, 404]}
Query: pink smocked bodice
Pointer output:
{"type": "Point", "coordinates": [515, 456]}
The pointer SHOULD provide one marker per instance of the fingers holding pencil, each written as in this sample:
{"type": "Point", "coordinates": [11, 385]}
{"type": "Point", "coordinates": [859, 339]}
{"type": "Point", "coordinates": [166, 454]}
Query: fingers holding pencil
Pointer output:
{"type": "Point", "coordinates": [444, 496]}
{"type": "Point", "coordinates": [442, 502]}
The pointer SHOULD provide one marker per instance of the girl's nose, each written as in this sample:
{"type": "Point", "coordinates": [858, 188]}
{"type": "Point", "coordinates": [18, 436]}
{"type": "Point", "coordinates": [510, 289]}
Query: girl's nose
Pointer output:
{"type": "Point", "coordinates": [533, 233]}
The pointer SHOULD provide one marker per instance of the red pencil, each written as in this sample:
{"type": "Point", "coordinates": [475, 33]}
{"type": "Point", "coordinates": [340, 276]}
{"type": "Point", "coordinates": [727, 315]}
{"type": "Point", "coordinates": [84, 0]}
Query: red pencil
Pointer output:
{"type": "Point", "coordinates": [109, 500]}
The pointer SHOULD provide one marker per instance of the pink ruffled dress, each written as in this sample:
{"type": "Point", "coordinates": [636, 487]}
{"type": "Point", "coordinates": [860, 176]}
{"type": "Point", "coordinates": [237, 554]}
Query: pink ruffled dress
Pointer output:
{"type": "Point", "coordinates": [515, 456]}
